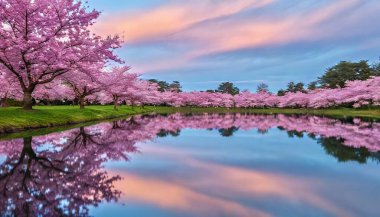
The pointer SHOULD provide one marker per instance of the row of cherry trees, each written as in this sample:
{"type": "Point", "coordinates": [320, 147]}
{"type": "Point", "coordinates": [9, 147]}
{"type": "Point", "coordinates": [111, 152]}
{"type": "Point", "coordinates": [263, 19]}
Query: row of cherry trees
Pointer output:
{"type": "Point", "coordinates": [117, 86]}
{"type": "Point", "coordinates": [354, 94]}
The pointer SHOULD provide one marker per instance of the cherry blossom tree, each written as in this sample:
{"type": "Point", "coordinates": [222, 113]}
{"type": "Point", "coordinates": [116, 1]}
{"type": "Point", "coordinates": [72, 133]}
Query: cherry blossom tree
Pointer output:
{"type": "Point", "coordinates": [119, 84]}
{"type": "Point", "coordinates": [84, 86]}
{"type": "Point", "coordinates": [143, 92]}
{"type": "Point", "coordinates": [41, 40]}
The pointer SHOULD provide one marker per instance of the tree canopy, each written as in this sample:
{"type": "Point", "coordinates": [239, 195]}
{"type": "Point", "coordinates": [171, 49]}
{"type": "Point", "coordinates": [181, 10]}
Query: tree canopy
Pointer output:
{"type": "Point", "coordinates": [41, 40]}
{"type": "Point", "coordinates": [262, 87]}
{"type": "Point", "coordinates": [163, 86]}
{"type": "Point", "coordinates": [338, 75]}
{"type": "Point", "coordinates": [228, 87]}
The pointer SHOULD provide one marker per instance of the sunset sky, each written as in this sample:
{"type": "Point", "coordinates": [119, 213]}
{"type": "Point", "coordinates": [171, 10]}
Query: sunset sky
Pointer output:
{"type": "Point", "coordinates": [202, 43]}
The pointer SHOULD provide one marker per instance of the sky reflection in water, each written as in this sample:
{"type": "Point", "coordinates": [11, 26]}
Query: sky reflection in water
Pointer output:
{"type": "Point", "coordinates": [196, 165]}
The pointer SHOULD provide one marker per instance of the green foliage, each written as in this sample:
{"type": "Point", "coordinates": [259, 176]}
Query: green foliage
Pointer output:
{"type": "Point", "coordinates": [165, 86]}
{"type": "Point", "coordinates": [295, 133]}
{"type": "Point", "coordinates": [164, 133]}
{"type": "Point", "coordinates": [291, 86]}
{"type": "Point", "coordinates": [281, 92]}
{"type": "Point", "coordinates": [312, 85]}
{"type": "Point", "coordinates": [175, 86]}
{"type": "Point", "coordinates": [228, 132]}
{"type": "Point", "coordinates": [376, 69]}
{"type": "Point", "coordinates": [162, 85]}
{"type": "Point", "coordinates": [343, 153]}
{"type": "Point", "coordinates": [295, 87]}
{"type": "Point", "coordinates": [262, 87]}
{"type": "Point", "coordinates": [228, 87]}
{"type": "Point", "coordinates": [299, 87]}
{"type": "Point", "coordinates": [337, 75]}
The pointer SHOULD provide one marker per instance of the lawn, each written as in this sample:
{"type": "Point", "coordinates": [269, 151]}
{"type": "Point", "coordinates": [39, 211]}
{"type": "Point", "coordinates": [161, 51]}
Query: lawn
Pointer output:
{"type": "Point", "coordinates": [15, 119]}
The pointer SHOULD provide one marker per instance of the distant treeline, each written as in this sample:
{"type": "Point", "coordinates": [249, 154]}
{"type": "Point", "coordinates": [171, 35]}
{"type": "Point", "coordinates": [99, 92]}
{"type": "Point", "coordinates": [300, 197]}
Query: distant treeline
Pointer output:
{"type": "Point", "coordinates": [334, 77]}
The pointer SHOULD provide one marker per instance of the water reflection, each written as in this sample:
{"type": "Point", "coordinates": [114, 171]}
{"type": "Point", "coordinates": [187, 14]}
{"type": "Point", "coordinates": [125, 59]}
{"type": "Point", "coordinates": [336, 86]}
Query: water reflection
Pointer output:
{"type": "Point", "coordinates": [346, 140]}
{"type": "Point", "coordinates": [63, 174]}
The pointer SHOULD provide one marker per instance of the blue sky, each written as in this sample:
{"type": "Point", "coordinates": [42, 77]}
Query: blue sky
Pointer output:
{"type": "Point", "coordinates": [202, 43]}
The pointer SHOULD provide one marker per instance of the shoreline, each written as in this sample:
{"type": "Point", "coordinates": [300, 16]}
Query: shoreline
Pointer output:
{"type": "Point", "coordinates": [15, 120]}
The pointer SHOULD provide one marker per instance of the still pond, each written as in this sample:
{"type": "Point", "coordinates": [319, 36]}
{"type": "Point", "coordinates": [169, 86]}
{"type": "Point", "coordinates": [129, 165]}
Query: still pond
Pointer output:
{"type": "Point", "coordinates": [216, 165]}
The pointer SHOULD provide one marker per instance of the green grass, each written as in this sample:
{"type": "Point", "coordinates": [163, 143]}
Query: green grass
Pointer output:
{"type": "Point", "coordinates": [15, 119]}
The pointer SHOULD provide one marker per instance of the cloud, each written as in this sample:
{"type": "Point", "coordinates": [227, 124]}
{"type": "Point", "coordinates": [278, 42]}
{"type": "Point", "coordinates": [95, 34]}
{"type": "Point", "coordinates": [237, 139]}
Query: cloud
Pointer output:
{"type": "Point", "coordinates": [257, 32]}
{"type": "Point", "coordinates": [249, 38]}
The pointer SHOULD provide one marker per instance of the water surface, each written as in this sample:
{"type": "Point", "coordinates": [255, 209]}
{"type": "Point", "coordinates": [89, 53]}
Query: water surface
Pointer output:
{"type": "Point", "coordinates": [196, 165]}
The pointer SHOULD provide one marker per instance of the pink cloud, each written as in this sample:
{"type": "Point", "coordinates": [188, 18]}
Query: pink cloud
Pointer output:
{"type": "Point", "coordinates": [181, 194]}
{"type": "Point", "coordinates": [195, 26]}
{"type": "Point", "coordinates": [166, 20]}
{"type": "Point", "coordinates": [175, 196]}
{"type": "Point", "coordinates": [259, 32]}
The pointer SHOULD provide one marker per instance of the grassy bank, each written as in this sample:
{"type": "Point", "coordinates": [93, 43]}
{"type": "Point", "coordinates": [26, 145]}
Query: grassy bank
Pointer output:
{"type": "Point", "coordinates": [15, 119]}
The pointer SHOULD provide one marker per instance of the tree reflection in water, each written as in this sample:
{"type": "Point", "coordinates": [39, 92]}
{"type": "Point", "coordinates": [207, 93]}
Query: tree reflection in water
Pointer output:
{"type": "Point", "coordinates": [61, 174]}
{"type": "Point", "coordinates": [335, 147]}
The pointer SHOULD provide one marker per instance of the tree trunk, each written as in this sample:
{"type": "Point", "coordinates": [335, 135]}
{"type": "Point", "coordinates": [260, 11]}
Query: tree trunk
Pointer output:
{"type": "Point", "coordinates": [28, 149]}
{"type": "Point", "coordinates": [81, 102]}
{"type": "Point", "coordinates": [27, 101]}
{"type": "Point", "coordinates": [115, 104]}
